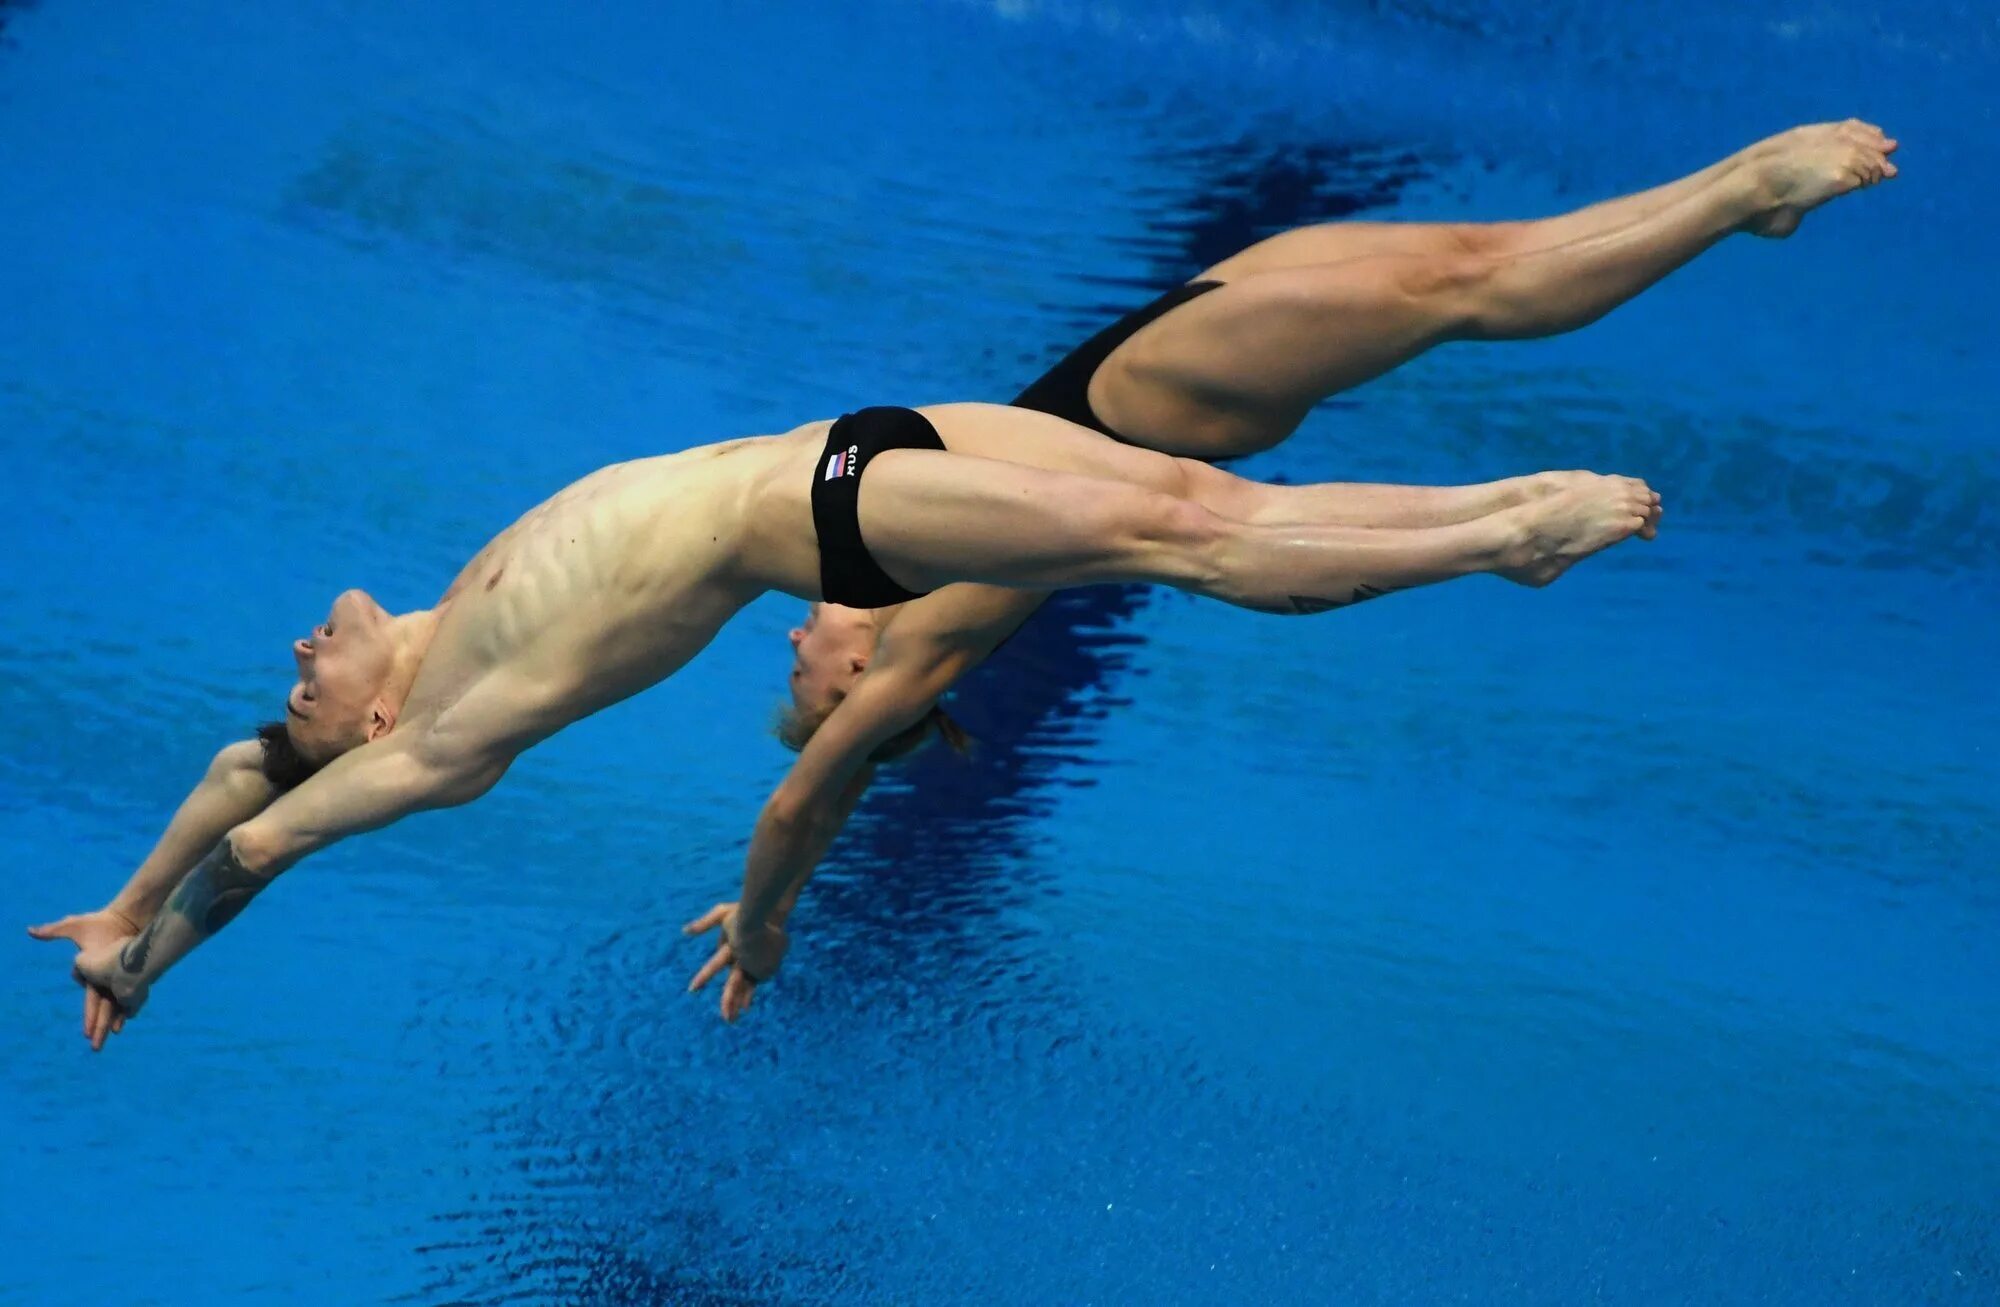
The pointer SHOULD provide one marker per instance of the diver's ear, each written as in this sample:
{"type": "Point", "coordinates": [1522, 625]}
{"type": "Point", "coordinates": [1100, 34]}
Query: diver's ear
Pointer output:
{"type": "Point", "coordinates": [381, 720]}
{"type": "Point", "coordinates": [859, 664]}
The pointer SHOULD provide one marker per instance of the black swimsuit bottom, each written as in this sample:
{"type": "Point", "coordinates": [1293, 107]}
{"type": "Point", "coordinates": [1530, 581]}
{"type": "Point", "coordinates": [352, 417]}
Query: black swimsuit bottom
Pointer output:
{"type": "Point", "coordinates": [1064, 389]}
{"type": "Point", "coordinates": [848, 573]}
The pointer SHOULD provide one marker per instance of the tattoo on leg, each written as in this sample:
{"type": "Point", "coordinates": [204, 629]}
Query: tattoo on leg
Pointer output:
{"type": "Point", "coordinates": [1305, 605]}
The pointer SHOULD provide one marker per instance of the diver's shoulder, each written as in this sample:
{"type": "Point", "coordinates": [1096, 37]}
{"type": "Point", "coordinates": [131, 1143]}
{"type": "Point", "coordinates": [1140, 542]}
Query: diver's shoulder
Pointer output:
{"type": "Point", "coordinates": [966, 615]}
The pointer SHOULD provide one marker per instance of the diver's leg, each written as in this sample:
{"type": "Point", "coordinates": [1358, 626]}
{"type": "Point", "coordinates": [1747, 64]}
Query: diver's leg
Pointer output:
{"type": "Point", "coordinates": [1336, 242]}
{"type": "Point", "coordinates": [931, 518]}
{"type": "Point", "coordinates": [1041, 440]}
{"type": "Point", "coordinates": [1238, 368]}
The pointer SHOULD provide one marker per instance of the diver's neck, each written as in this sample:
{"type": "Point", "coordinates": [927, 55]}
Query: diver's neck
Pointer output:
{"type": "Point", "coordinates": [412, 633]}
{"type": "Point", "coordinates": [879, 618]}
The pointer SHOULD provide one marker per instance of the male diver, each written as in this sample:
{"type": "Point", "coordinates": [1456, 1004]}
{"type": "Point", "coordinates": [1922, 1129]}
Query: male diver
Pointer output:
{"type": "Point", "coordinates": [1227, 365]}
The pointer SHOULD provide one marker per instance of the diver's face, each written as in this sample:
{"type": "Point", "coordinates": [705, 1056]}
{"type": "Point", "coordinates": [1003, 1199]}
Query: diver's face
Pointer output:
{"type": "Point", "coordinates": [830, 649]}
{"type": "Point", "coordinates": [343, 666]}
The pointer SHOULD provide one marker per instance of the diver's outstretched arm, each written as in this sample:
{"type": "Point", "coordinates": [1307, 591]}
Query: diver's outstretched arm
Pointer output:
{"type": "Point", "coordinates": [369, 787]}
{"type": "Point", "coordinates": [233, 791]}
{"type": "Point", "coordinates": [807, 811]}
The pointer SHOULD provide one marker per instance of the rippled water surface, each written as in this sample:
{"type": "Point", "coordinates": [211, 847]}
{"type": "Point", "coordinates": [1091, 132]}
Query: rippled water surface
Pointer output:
{"type": "Point", "coordinates": [1629, 941]}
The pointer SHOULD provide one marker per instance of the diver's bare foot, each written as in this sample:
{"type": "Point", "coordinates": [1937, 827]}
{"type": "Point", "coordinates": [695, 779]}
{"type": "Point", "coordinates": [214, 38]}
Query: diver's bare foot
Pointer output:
{"type": "Point", "coordinates": [1585, 514]}
{"type": "Point", "coordinates": [1799, 170]}
{"type": "Point", "coordinates": [1513, 492]}
{"type": "Point", "coordinates": [1540, 485]}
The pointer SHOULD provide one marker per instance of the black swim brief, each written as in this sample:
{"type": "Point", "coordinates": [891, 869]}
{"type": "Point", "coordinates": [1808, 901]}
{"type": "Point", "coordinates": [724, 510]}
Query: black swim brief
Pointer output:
{"type": "Point", "coordinates": [848, 573]}
{"type": "Point", "coordinates": [1064, 389]}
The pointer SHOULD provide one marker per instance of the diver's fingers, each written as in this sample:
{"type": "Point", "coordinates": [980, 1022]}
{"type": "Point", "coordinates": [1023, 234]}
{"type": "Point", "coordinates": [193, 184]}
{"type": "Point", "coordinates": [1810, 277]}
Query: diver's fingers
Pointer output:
{"type": "Point", "coordinates": [709, 920]}
{"type": "Point", "coordinates": [66, 928]}
{"type": "Point", "coordinates": [100, 1029]}
{"type": "Point", "coordinates": [736, 995]}
{"type": "Point", "coordinates": [92, 998]}
{"type": "Point", "coordinates": [716, 962]}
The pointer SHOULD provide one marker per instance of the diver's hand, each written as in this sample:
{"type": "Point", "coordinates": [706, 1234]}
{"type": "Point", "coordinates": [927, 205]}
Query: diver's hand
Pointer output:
{"type": "Point", "coordinates": [750, 958]}
{"type": "Point", "coordinates": [98, 936]}
{"type": "Point", "coordinates": [104, 969]}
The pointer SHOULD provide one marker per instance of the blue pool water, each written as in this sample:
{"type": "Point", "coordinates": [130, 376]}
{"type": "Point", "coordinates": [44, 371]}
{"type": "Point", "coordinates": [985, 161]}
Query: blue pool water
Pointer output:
{"type": "Point", "coordinates": [1624, 942]}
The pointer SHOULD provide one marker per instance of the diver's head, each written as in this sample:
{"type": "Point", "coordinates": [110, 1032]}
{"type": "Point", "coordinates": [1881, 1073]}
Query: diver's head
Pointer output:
{"type": "Point", "coordinates": [830, 650]}
{"type": "Point", "coordinates": [354, 673]}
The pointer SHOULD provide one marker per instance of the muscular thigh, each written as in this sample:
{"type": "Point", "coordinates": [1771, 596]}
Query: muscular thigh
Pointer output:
{"type": "Point", "coordinates": [931, 518]}
{"type": "Point", "coordinates": [1251, 358]}
{"type": "Point", "coordinates": [1336, 242]}
{"type": "Point", "coordinates": [1034, 439]}
{"type": "Point", "coordinates": [1052, 444]}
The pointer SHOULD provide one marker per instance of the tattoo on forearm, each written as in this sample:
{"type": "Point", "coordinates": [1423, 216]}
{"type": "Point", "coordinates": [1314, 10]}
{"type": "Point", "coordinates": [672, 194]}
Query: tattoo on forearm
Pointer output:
{"type": "Point", "coordinates": [1306, 605]}
{"type": "Point", "coordinates": [207, 899]}
{"type": "Point", "coordinates": [133, 956]}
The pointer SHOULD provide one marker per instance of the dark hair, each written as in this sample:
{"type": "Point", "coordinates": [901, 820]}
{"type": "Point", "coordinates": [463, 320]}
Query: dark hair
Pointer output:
{"type": "Point", "coordinates": [796, 726]}
{"type": "Point", "coordinates": [284, 765]}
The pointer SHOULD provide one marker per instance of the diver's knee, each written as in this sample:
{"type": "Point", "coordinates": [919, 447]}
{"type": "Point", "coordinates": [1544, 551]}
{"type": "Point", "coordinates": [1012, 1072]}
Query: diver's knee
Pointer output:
{"type": "Point", "coordinates": [1169, 538]}
{"type": "Point", "coordinates": [1459, 291]}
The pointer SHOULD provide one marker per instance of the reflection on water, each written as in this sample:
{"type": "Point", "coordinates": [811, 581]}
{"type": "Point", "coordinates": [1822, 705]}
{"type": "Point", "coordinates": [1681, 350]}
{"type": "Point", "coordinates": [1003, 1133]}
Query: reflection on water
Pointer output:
{"type": "Point", "coordinates": [1255, 187]}
{"type": "Point", "coordinates": [561, 218]}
